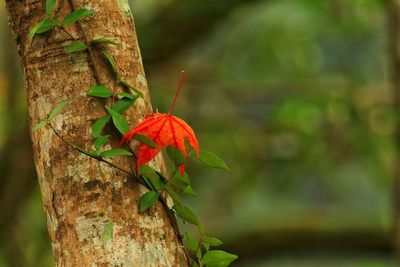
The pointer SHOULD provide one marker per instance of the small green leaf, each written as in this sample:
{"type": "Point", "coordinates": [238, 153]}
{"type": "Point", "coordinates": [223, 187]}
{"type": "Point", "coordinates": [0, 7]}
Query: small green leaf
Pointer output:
{"type": "Point", "coordinates": [40, 125]}
{"type": "Point", "coordinates": [128, 95]}
{"type": "Point", "coordinates": [185, 179]}
{"type": "Point", "coordinates": [148, 200]}
{"type": "Point", "coordinates": [50, 5]}
{"type": "Point", "coordinates": [178, 182]}
{"type": "Point", "coordinates": [191, 243]}
{"type": "Point", "coordinates": [171, 192]}
{"type": "Point", "coordinates": [148, 172]}
{"type": "Point", "coordinates": [103, 41]}
{"type": "Point", "coordinates": [209, 241]}
{"type": "Point", "coordinates": [34, 29]}
{"type": "Point", "coordinates": [99, 91]}
{"type": "Point", "coordinates": [159, 184]}
{"type": "Point", "coordinates": [175, 155]}
{"type": "Point", "coordinates": [98, 126]}
{"type": "Point", "coordinates": [218, 258]}
{"type": "Point", "coordinates": [151, 177]}
{"type": "Point", "coordinates": [130, 86]}
{"type": "Point", "coordinates": [47, 25]}
{"type": "Point", "coordinates": [100, 141]}
{"type": "Point", "coordinates": [119, 121]}
{"type": "Point", "coordinates": [42, 26]}
{"type": "Point", "coordinates": [123, 104]}
{"type": "Point", "coordinates": [110, 60]}
{"type": "Point", "coordinates": [198, 254]}
{"type": "Point", "coordinates": [58, 108]}
{"type": "Point", "coordinates": [185, 213]}
{"type": "Point", "coordinates": [145, 140]}
{"type": "Point", "coordinates": [76, 16]}
{"type": "Point", "coordinates": [126, 84]}
{"type": "Point", "coordinates": [189, 191]}
{"type": "Point", "coordinates": [76, 46]}
{"type": "Point", "coordinates": [108, 230]}
{"type": "Point", "coordinates": [213, 160]}
{"type": "Point", "coordinates": [115, 152]}
{"type": "Point", "coordinates": [138, 92]}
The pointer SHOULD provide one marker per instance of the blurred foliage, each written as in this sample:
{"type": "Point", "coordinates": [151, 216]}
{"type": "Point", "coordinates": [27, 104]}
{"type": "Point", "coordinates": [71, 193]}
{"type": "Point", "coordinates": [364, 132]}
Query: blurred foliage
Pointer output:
{"type": "Point", "coordinates": [293, 94]}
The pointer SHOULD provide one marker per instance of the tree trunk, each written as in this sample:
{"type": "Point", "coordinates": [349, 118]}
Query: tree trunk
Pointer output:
{"type": "Point", "coordinates": [82, 196]}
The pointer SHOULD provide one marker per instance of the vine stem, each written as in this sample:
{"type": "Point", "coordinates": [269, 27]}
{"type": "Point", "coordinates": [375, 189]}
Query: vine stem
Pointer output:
{"type": "Point", "coordinates": [177, 92]}
{"type": "Point", "coordinates": [96, 72]}
{"type": "Point", "coordinates": [87, 153]}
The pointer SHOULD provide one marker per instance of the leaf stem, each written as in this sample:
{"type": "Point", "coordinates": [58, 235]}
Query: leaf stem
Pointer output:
{"type": "Point", "coordinates": [177, 92]}
{"type": "Point", "coordinates": [62, 28]}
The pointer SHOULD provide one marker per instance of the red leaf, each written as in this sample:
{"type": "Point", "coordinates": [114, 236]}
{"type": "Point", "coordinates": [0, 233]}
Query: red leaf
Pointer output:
{"type": "Point", "coordinates": [165, 130]}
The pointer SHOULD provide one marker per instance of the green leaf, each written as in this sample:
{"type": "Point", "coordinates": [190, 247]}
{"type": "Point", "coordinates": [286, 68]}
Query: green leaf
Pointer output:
{"type": "Point", "coordinates": [175, 155]}
{"type": "Point", "coordinates": [34, 29]}
{"type": "Point", "coordinates": [50, 5]}
{"type": "Point", "coordinates": [110, 60]}
{"type": "Point", "coordinates": [108, 230]}
{"type": "Point", "coordinates": [130, 86]}
{"type": "Point", "coordinates": [100, 141]}
{"type": "Point", "coordinates": [191, 243]}
{"type": "Point", "coordinates": [179, 182]}
{"type": "Point", "coordinates": [58, 108]}
{"type": "Point", "coordinates": [145, 140]}
{"type": "Point", "coordinates": [103, 41]}
{"type": "Point", "coordinates": [119, 121]}
{"type": "Point", "coordinates": [76, 16]}
{"type": "Point", "coordinates": [98, 126]}
{"type": "Point", "coordinates": [115, 152]}
{"type": "Point", "coordinates": [128, 95]}
{"type": "Point", "coordinates": [159, 184]}
{"type": "Point", "coordinates": [151, 177]}
{"type": "Point", "coordinates": [171, 192]}
{"type": "Point", "coordinates": [148, 200]}
{"type": "Point", "coordinates": [189, 191]}
{"type": "Point", "coordinates": [42, 26]}
{"type": "Point", "coordinates": [148, 172]}
{"type": "Point", "coordinates": [185, 179]}
{"type": "Point", "coordinates": [213, 160]}
{"type": "Point", "coordinates": [126, 84]}
{"type": "Point", "coordinates": [99, 91]}
{"type": "Point", "coordinates": [138, 92]}
{"type": "Point", "coordinates": [47, 25]}
{"type": "Point", "coordinates": [76, 46]}
{"type": "Point", "coordinates": [123, 104]}
{"type": "Point", "coordinates": [199, 254]}
{"type": "Point", "coordinates": [40, 125]}
{"type": "Point", "coordinates": [209, 241]}
{"type": "Point", "coordinates": [218, 258]}
{"type": "Point", "coordinates": [185, 213]}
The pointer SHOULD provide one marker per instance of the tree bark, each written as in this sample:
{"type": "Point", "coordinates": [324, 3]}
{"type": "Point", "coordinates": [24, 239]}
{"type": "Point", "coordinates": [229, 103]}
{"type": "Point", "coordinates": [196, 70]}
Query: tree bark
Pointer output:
{"type": "Point", "coordinates": [82, 196]}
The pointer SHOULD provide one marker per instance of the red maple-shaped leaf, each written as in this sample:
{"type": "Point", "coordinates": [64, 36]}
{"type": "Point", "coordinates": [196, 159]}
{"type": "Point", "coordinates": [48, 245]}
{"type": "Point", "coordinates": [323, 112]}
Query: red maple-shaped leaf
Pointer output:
{"type": "Point", "coordinates": [164, 130]}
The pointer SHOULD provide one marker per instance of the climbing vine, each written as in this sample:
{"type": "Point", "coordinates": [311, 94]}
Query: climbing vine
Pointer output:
{"type": "Point", "coordinates": [157, 132]}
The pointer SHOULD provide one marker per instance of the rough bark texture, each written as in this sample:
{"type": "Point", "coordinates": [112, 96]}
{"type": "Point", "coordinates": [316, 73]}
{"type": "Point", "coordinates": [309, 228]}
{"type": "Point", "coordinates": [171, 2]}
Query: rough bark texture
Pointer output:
{"type": "Point", "coordinates": [83, 197]}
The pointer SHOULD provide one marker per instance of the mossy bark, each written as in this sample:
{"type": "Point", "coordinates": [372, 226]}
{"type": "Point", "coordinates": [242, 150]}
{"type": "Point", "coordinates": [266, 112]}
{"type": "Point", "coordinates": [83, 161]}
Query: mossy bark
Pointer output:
{"type": "Point", "coordinates": [91, 207]}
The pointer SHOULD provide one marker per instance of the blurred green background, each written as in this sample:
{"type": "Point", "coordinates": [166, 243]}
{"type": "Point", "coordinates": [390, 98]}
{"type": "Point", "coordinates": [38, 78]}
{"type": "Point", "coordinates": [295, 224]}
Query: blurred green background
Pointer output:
{"type": "Point", "coordinates": [295, 95]}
